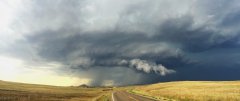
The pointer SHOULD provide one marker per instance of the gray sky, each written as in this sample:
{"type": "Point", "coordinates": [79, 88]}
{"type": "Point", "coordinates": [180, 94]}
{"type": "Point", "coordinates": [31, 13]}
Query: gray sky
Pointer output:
{"type": "Point", "coordinates": [118, 42]}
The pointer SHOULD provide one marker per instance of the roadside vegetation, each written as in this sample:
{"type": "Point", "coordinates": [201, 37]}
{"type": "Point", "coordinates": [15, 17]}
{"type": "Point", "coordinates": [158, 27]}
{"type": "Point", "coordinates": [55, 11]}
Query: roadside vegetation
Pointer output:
{"type": "Point", "coordinates": [10, 91]}
{"type": "Point", "coordinates": [170, 91]}
{"type": "Point", "coordinates": [192, 91]}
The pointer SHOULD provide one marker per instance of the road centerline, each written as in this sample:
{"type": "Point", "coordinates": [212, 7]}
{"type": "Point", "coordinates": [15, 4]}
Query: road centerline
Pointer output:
{"type": "Point", "coordinates": [113, 97]}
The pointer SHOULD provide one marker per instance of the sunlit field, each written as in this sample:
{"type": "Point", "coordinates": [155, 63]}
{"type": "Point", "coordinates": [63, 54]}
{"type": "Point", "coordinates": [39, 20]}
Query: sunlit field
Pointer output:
{"type": "Point", "coordinates": [193, 90]}
{"type": "Point", "coordinates": [28, 92]}
{"type": "Point", "coordinates": [170, 91]}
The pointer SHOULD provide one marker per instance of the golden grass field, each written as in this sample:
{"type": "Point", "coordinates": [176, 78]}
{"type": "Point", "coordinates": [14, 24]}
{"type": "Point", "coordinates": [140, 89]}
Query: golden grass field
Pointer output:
{"type": "Point", "coordinates": [170, 91]}
{"type": "Point", "coordinates": [192, 90]}
{"type": "Point", "coordinates": [10, 91]}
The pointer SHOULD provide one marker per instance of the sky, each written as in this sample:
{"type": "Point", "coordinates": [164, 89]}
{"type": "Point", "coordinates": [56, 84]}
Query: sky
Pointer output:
{"type": "Point", "coordinates": [118, 42]}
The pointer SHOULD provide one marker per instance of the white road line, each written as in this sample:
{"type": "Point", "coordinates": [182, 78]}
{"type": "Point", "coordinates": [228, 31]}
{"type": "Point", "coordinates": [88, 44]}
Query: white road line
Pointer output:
{"type": "Point", "coordinates": [112, 97]}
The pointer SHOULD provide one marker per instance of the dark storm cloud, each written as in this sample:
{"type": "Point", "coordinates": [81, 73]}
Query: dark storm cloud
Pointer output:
{"type": "Point", "coordinates": [105, 49]}
{"type": "Point", "coordinates": [144, 41]}
{"type": "Point", "coordinates": [180, 31]}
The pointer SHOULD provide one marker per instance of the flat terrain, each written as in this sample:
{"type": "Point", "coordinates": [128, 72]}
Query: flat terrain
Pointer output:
{"type": "Point", "coordinates": [10, 91]}
{"type": "Point", "coordinates": [170, 91]}
{"type": "Point", "coordinates": [192, 91]}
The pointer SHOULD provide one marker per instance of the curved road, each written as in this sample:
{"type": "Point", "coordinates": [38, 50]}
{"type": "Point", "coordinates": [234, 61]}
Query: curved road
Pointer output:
{"type": "Point", "coordinates": [125, 96]}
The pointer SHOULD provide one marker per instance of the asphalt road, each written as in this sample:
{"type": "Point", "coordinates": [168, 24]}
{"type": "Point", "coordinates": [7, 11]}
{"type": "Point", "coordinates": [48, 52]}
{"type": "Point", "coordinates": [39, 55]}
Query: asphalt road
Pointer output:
{"type": "Point", "coordinates": [125, 96]}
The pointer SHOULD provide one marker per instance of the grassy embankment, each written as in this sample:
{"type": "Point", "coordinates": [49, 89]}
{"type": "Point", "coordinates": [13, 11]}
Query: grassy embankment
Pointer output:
{"type": "Point", "coordinates": [10, 91]}
{"type": "Point", "coordinates": [192, 90]}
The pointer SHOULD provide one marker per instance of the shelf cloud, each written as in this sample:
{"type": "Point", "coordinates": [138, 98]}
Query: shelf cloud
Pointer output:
{"type": "Point", "coordinates": [122, 42]}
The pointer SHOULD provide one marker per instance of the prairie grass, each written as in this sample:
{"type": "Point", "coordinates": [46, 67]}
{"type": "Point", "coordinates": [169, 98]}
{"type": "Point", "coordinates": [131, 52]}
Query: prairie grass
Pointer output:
{"type": "Point", "coordinates": [170, 91]}
{"type": "Point", "coordinates": [105, 97]}
{"type": "Point", "coordinates": [193, 90]}
{"type": "Point", "coordinates": [10, 91]}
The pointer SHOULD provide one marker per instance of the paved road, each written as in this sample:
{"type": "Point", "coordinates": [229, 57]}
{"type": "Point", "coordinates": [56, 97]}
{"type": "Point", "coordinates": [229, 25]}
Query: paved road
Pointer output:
{"type": "Point", "coordinates": [125, 96]}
